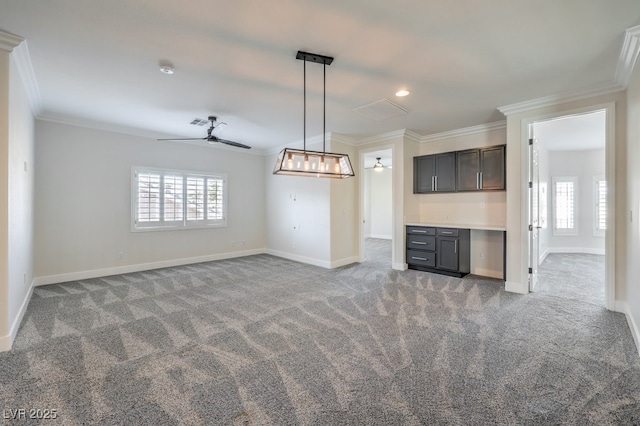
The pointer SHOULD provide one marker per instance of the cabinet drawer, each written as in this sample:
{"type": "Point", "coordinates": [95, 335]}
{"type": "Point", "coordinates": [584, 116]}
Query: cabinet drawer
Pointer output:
{"type": "Point", "coordinates": [423, 258]}
{"type": "Point", "coordinates": [421, 230]}
{"type": "Point", "coordinates": [448, 232]}
{"type": "Point", "coordinates": [421, 242]}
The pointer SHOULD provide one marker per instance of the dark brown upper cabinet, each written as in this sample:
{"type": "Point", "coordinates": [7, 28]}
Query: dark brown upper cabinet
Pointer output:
{"type": "Point", "coordinates": [481, 169]}
{"type": "Point", "coordinates": [434, 173]}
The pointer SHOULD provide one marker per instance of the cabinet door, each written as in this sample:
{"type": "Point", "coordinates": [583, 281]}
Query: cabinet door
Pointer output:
{"type": "Point", "coordinates": [445, 172]}
{"type": "Point", "coordinates": [468, 170]}
{"type": "Point", "coordinates": [423, 174]}
{"type": "Point", "coordinates": [447, 253]}
{"type": "Point", "coordinates": [492, 162]}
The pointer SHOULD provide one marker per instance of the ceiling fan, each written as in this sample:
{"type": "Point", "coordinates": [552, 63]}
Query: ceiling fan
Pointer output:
{"type": "Point", "coordinates": [210, 137]}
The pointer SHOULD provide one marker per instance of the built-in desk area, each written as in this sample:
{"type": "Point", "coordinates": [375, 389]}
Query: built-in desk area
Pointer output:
{"type": "Point", "coordinates": [445, 248]}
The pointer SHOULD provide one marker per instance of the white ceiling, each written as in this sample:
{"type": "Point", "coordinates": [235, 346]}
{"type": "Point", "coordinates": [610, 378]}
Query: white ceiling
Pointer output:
{"type": "Point", "coordinates": [573, 133]}
{"type": "Point", "coordinates": [96, 62]}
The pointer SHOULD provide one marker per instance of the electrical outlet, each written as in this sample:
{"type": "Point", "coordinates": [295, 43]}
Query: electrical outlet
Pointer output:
{"type": "Point", "coordinates": [120, 255]}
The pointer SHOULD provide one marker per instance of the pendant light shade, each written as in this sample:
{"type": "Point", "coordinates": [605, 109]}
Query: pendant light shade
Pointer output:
{"type": "Point", "coordinates": [300, 162]}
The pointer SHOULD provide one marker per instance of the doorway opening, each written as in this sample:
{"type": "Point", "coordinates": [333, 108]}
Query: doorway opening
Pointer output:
{"type": "Point", "coordinates": [568, 206]}
{"type": "Point", "coordinates": [377, 206]}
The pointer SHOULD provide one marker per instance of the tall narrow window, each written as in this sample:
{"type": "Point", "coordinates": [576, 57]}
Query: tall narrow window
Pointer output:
{"type": "Point", "coordinates": [564, 206]}
{"type": "Point", "coordinates": [600, 196]}
{"type": "Point", "coordinates": [169, 199]}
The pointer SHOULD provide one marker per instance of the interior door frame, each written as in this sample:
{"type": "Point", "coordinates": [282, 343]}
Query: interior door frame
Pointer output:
{"type": "Point", "coordinates": [610, 175]}
{"type": "Point", "coordinates": [362, 153]}
{"type": "Point", "coordinates": [534, 211]}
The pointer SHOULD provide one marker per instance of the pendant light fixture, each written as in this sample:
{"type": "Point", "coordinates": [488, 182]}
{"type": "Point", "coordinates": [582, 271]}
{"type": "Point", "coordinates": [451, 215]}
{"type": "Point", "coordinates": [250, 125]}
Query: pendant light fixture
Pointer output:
{"type": "Point", "coordinates": [296, 162]}
{"type": "Point", "coordinates": [378, 167]}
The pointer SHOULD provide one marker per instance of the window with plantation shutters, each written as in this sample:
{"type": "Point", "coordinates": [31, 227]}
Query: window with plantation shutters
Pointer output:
{"type": "Point", "coordinates": [600, 196]}
{"type": "Point", "coordinates": [564, 205]}
{"type": "Point", "coordinates": [168, 199]}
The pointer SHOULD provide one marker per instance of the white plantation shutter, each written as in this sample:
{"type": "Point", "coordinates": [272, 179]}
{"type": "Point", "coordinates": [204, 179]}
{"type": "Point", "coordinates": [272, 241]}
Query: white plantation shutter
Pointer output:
{"type": "Point", "coordinates": [165, 199]}
{"type": "Point", "coordinates": [195, 198]}
{"type": "Point", "coordinates": [148, 190]}
{"type": "Point", "coordinates": [564, 200]}
{"type": "Point", "coordinates": [173, 191]}
{"type": "Point", "coordinates": [215, 199]}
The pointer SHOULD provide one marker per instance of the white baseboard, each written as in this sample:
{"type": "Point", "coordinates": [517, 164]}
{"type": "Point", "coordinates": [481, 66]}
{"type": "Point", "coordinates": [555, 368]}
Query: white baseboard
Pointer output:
{"type": "Point", "coordinates": [302, 259]}
{"type": "Point", "coordinates": [343, 262]}
{"type": "Point", "coordinates": [490, 273]}
{"type": "Point", "coordinates": [6, 342]}
{"type": "Point", "coordinates": [96, 273]}
{"type": "Point", "coordinates": [399, 266]}
{"type": "Point", "coordinates": [380, 236]}
{"type": "Point", "coordinates": [623, 308]}
{"type": "Point", "coordinates": [580, 250]}
{"type": "Point", "coordinates": [516, 287]}
{"type": "Point", "coordinates": [315, 262]}
{"type": "Point", "coordinates": [543, 256]}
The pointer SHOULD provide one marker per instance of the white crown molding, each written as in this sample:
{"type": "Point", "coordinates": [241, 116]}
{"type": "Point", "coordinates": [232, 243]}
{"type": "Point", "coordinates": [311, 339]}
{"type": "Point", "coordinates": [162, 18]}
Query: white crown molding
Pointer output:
{"type": "Point", "coordinates": [25, 70]}
{"type": "Point", "coordinates": [339, 137]}
{"type": "Point", "coordinates": [384, 137]}
{"type": "Point", "coordinates": [9, 41]}
{"type": "Point", "coordinates": [412, 136]}
{"type": "Point", "coordinates": [590, 92]}
{"type": "Point", "coordinates": [628, 56]}
{"type": "Point", "coordinates": [481, 128]}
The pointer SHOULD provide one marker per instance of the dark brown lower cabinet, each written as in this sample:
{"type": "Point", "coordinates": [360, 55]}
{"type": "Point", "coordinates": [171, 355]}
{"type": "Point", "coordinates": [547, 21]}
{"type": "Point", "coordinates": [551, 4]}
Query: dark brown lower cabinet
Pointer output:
{"type": "Point", "coordinates": [440, 250]}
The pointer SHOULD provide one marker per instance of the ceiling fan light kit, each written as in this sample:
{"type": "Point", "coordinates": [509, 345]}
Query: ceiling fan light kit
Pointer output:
{"type": "Point", "coordinates": [378, 167]}
{"type": "Point", "coordinates": [301, 162]}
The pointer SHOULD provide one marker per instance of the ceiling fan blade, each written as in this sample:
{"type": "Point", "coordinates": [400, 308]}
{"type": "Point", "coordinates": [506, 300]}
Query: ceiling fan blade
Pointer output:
{"type": "Point", "coordinates": [188, 139]}
{"type": "Point", "coordinates": [232, 143]}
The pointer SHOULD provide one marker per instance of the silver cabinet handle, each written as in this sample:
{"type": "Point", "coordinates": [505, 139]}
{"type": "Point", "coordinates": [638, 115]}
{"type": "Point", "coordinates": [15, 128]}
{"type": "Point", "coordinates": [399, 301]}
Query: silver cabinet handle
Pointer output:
{"type": "Point", "coordinates": [478, 180]}
{"type": "Point", "coordinates": [446, 232]}
{"type": "Point", "coordinates": [419, 242]}
{"type": "Point", "coordinates": [455, 246]}
{"type": "Point", "coordinates": [432, 183]}
{"type": "Point", "coordinates": [418, 258]}
{"type": "Point", "coordinates": [481, 183]}
{"type": "Point", "coordinates": [436, 182]}
{"type": "Point", "coordinates": [417, 231]}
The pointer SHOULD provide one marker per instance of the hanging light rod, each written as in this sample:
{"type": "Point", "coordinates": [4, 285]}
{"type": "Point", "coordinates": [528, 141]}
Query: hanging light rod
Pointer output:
{"type": "Point", "coordinates": [300, 162]}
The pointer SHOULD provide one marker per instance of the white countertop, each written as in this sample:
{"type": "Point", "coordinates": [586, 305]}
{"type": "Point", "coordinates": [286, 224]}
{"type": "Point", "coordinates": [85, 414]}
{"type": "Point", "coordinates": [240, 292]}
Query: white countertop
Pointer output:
{"type": "Point", "coordinates": [460, 226]}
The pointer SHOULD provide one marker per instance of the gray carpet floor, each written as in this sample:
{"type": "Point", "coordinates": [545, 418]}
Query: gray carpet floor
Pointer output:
{"type": "Point", "coordinates": [573, 276]}
{"type": "Point", "coordinates": [263, 340]}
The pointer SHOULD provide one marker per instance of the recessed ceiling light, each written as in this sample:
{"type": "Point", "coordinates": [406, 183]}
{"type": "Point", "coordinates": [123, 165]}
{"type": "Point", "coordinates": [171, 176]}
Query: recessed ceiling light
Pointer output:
{"type": "Point", "coordinates": [401, 93]}
{"type": "Point", "coordinates": [166, 67]}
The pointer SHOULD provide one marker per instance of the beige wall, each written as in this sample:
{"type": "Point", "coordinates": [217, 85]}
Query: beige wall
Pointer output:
{"type": "Point", "coordinates": [344, 210]}
{"type": "Point", "coordinates": [5, 341]}
{"type": "Point", "coordinates": [631, 214]}
{"type": "Point", "coordinates": [16, 195]}
{"type": "Point", "coordinates": [83, 203]}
